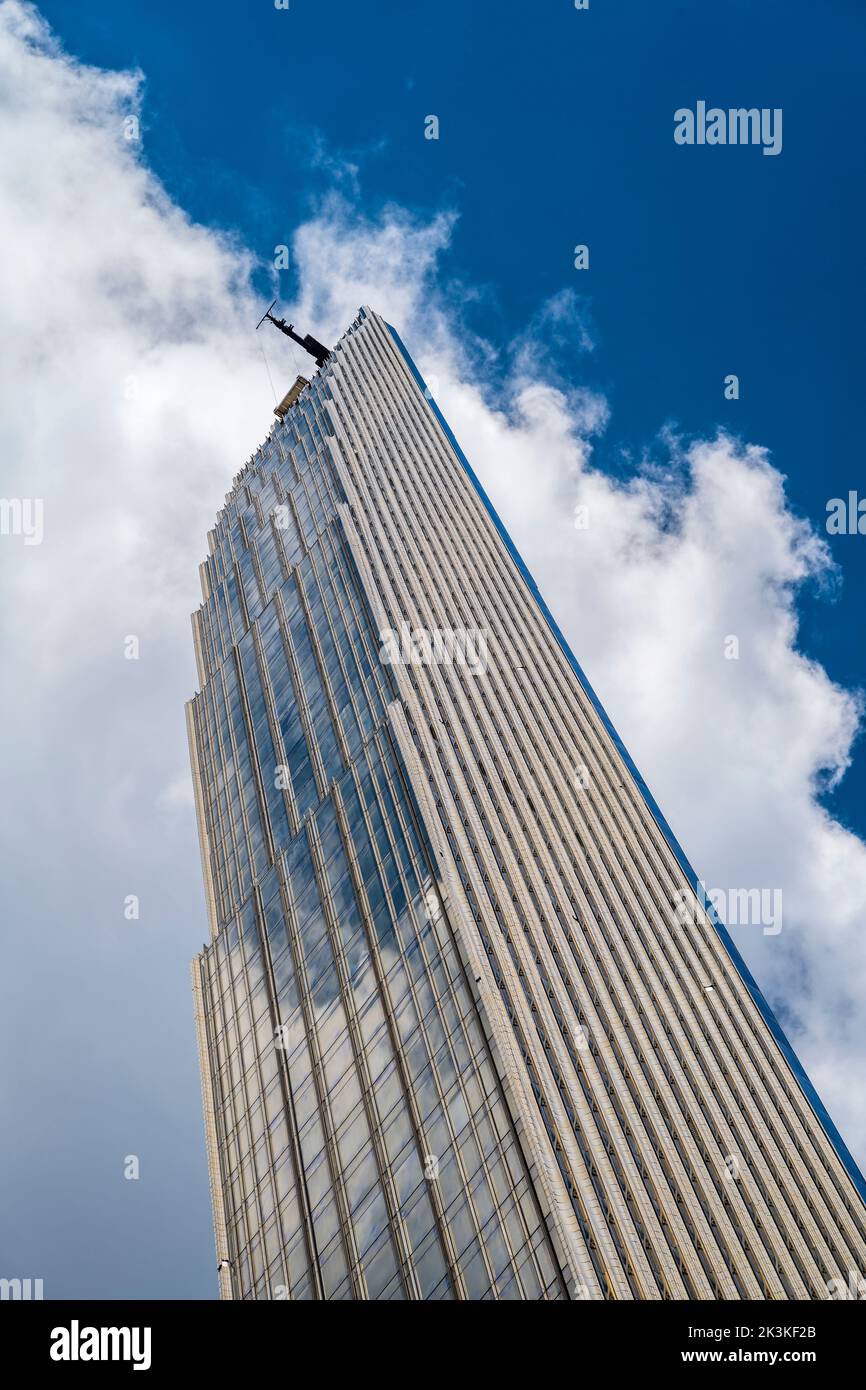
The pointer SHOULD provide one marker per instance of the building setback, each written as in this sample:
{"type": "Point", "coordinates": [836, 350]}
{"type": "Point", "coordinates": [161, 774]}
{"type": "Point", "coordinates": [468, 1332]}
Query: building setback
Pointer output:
{"type": "Point", "coordinates": [456, 1039]}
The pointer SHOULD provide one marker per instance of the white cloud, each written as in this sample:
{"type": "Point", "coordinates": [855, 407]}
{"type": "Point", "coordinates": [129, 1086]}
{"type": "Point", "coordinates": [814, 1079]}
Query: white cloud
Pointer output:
{"type": "Point", "coordinates": [133, 390]}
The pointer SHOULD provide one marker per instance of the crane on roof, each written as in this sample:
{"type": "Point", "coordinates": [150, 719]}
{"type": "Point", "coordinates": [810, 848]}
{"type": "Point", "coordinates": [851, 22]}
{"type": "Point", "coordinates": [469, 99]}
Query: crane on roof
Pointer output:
{"type": "Point", "coordinates": [308, 343]}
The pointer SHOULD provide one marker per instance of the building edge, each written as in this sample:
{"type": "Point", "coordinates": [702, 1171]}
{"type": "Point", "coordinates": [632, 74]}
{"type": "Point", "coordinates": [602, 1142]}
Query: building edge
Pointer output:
{"type": "Point", "coordinates": [819, 1109]}
{"type": "Point", "coordinates": [224, 1272]}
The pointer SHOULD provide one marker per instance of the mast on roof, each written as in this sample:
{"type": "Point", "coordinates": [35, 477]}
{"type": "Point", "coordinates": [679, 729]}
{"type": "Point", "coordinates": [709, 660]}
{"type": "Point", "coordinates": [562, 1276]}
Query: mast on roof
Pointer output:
{"type": "Point", "coordinates": [308, 342]}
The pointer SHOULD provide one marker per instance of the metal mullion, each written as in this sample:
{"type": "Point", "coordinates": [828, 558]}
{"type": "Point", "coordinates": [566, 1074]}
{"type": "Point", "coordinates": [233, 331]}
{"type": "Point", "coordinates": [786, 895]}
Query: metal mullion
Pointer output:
{"type": "Point", "coordinates": [353, 698]}
{"type": "Point", "coordinates": [286, 567]}
{"type": "Point", "coordinates": [254, 762]}
{"type": "Point", "coordinates": [257, 568]}
{"type": "Point", "coordinates": [458, 1158]}
{"type": "Point", "coordinates": [256, 1190]}
{"type": "Point", "coordinates": [284, 1073]}
{"type": "Point", "coordinates": [242, 1121]}
{"type": "Point", "coordinates": [215, 1079]}
{"type": "Point", "coordinates": [601, 1260]}
{"type": "Point", "coordinates": [362, 624]}
{"type": "Point", "coordinates": [301, 698]}
{"type": "Point", "coordinates": [320, 1083]}
{"type": "Point", "coordinates": [622, 1167]}
{"type": "Point", "coordinates": [288, 792]}
{"type": "Point", "coordinates": [242, 602]}
{"type": "Point", "coordinates": [362, 1068]}
{"type": "Point", "coordinates": [321, 665]}
{"type": "Point", "coordinates": [233, 878]}
{"type": "Point", "coordinates": [205, 737]}
{"type": "Point", "coordinates": [380, 973]}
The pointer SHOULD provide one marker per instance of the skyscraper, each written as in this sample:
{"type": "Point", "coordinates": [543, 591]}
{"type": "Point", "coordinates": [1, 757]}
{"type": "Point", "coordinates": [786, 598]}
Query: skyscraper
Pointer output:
{"type": "Point", "coordinates": [467, 1027]}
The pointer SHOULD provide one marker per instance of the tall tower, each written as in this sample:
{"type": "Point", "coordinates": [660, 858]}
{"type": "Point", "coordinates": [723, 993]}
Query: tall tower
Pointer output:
{"type": "Point", "coordinates": [467, 1029]}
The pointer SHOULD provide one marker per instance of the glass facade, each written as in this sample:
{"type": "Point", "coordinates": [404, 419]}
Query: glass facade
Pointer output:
{"type": "Point", "coordinates": [451, 1044]}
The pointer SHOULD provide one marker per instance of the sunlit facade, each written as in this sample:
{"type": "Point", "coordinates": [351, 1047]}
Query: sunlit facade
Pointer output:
{"type": "Point", "coordinates": [458, 1039]}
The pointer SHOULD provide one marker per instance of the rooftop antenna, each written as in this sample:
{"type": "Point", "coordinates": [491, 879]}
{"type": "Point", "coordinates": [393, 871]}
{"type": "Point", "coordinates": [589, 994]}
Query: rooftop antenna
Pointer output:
{"type": "Point", "coordinates": [308, 343]}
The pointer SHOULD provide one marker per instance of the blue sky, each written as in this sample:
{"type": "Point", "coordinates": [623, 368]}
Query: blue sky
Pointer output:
{"type": "Point", "coordinates": [556, 128]}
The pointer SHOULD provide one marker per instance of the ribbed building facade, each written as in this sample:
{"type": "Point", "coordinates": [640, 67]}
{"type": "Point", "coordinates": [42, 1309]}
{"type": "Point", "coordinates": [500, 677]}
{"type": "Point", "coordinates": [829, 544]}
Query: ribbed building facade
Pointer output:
{"type": "Point", "coordinates": [459, 1039]}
